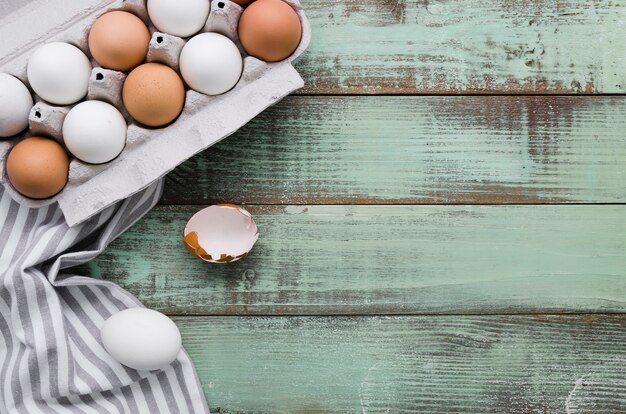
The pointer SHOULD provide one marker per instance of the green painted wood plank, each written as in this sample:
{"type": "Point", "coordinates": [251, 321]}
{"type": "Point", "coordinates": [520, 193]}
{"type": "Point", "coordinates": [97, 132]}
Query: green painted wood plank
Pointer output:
{"type": "Point", "coordinates": [407, 150]}
{"type": "Point", "coordinates": [384, 260]}
{"type": "Point", "coordinates": [449, 364]}
{"type": "Point", "coordinates": [461, 46]}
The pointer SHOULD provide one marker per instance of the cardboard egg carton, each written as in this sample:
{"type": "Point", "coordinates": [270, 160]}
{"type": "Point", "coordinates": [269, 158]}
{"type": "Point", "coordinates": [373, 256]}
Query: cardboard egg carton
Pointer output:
{"type": "Point", "coordinates": [149, 153]}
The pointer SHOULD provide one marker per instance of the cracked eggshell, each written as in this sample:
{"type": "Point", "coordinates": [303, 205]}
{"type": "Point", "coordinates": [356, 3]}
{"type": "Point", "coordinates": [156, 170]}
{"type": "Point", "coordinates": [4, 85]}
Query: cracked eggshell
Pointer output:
{"type": "Point", "coordinates": [221, 233]}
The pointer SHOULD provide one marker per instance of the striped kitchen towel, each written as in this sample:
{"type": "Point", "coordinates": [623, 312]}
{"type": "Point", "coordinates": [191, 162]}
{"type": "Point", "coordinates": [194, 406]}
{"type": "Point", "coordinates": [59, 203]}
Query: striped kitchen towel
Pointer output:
{"type": "Point", "coordinates": [51, 358]}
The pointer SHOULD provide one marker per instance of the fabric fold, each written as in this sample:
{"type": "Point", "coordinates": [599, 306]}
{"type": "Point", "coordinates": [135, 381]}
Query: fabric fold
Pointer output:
{"type": "Point", "coordinates": [51, 357]}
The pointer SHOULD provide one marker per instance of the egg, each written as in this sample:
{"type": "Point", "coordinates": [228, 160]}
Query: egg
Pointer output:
{"type": "Point", "coordinates": [153, 94]}
{"type": "Point", "coordinates": [15, 105]}
{"type": "Point", "coordinates": [221, 233]}
{"type": "Point", "coordinates": [210, 63]}
{"type": "Point", "coordinates": [59, 73]}
{"type": "Point", "coordinates": [141, 339]}
{"type": "Point", "coordinates": [243, 3]}
{"type": "Point", "coordinates": [119, 40]}
{"type": "Point", "coordinates": [181, 18]}
{"type": "Point", "coordinates": [94, 132]}
{"type": "Point", "coordinates": [270, 30]}
{"type": "Point", "coordinates": [38, 167]}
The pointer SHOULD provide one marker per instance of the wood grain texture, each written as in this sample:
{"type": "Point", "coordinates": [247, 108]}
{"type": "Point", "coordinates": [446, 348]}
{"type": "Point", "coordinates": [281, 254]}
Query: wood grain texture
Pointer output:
{"type": "Point", "coordinates": [449, 364]}
{"type": "Point", "coordinates": [465, 46]}
{"type": "Point", "coordinates": [384, 260]}
{"type": "Point", "coordinates": [414, 150]}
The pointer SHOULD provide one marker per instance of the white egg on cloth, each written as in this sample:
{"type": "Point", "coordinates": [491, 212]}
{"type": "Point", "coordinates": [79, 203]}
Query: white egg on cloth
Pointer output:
{"type": "Point", "coordinates": [221, 233]}
{"type": "Point", "coordinates": [15, 105]}
{"type": "Point", "coordinates": [181, 18]}
{"type": "Point", "coordinates": [211, 64]}
{"type": "Point", "coordinates": [94, 132]}
{"type": "Point", "coordinates": [59, 73]}
{"type": "Point", "coordinates": [142, 339]}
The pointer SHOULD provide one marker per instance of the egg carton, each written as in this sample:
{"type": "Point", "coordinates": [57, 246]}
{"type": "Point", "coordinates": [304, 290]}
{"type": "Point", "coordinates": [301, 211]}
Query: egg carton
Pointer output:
{"type": "Point", "coordinates": [149, 153]}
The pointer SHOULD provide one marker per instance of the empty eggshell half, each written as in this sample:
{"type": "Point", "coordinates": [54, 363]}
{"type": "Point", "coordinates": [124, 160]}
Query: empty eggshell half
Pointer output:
{"type": "Point", "coordinates": [221, 233]}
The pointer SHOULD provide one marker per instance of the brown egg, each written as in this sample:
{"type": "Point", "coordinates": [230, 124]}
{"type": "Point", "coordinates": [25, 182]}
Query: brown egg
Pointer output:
{"type": "Point", "coordinates": [119, 40]}
{"type": "Point", "coordinates": [154, 94]}
{"type": "Point", "coordinates": [38, 167]}
{"type": "Point", "coordinates": [243, 3]}
{"type": "Point", "coordinates": [270, 30]}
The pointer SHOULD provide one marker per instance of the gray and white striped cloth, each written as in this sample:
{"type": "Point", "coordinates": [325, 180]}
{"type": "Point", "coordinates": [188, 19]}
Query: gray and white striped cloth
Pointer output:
{"type": "Point", "coordinates": [51, 358]}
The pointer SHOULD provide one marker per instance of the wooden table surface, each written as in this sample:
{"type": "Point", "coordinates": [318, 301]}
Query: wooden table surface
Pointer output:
{"type": "Point", "coordinates": [442, 219]}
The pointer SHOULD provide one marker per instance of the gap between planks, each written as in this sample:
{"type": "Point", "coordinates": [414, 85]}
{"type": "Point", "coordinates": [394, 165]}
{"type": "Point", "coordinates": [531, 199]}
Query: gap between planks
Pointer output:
{"type": "Point", "coordinates": [461, 94]}
{"type": "Point", "coordinates": [436, 260]}
{"type": "Point", "coordinates": [391, 203]}
{"type": "Point", "coordinates": [480, 365]}
{"type": "Point", "coordinates": [415, 150]}
{"type": "Point", "coordinates": [603, 314]}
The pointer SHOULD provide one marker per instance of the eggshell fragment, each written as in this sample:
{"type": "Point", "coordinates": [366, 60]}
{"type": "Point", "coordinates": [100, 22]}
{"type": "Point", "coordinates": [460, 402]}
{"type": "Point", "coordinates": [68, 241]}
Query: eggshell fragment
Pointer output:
{"type": "Point", "coordinates": [15, 105]}
{"type": "Point", "coordinates": [221, 233]}
{"type": "Point", "coordinates": [141, 339]}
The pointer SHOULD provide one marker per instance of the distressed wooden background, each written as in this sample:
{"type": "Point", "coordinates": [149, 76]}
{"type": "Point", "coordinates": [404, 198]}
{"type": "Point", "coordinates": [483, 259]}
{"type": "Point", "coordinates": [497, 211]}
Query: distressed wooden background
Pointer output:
{"type": "Point", "coordinates": [442, 219]}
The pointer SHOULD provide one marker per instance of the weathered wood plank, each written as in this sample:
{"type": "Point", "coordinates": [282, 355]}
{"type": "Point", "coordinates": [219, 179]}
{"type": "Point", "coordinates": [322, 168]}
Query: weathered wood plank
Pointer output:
{"type": "Point", "coordinates": [384, 260]}
{"type": "Point", "coordinates": [449, 364]}
{"type": "Point", "coordinates": [407, 150]}
{"type": "Point", "coordinates": [461, 46]}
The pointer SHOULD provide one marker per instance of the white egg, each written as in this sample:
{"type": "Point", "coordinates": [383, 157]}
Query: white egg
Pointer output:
{"type": "Point", "coordinates": [141, 339]}
{"type": "Point", "coordinates": [15, 105]}
{"type": "Point", "coordinates": [59, 73]}
{"type": "Point", "coordinates": [211, 63]}
{"type": "Point", "coordinates": [94, 132]}
{"type": "Point", "coordinates": [181, 18]}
